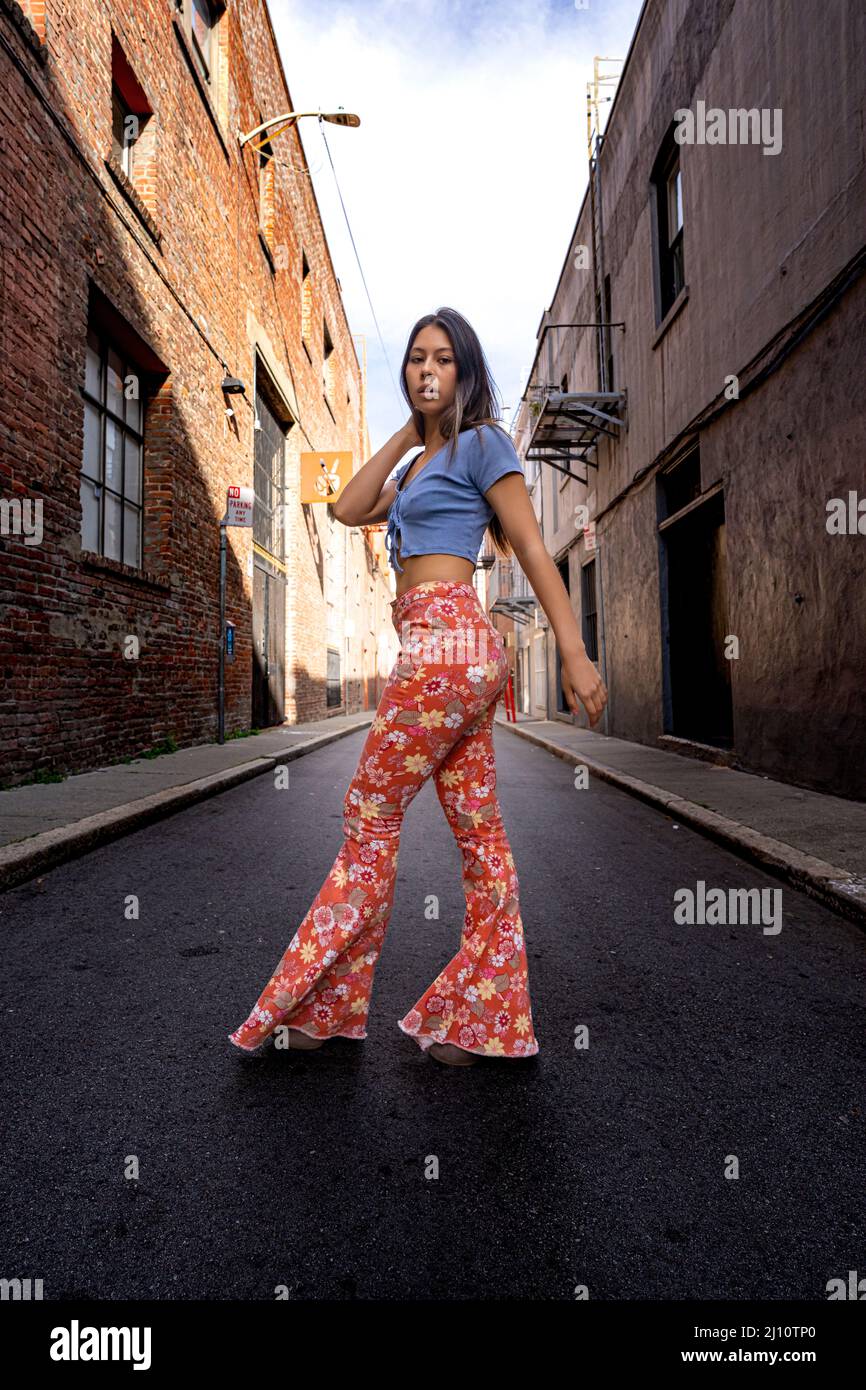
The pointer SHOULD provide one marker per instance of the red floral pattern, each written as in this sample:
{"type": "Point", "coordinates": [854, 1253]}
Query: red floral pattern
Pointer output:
{"type": "Point", "coordinates": [435, 718]}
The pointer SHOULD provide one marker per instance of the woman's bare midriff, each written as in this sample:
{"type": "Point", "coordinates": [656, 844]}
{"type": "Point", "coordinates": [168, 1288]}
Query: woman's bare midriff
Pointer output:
{"type": "Point", "coordinates": [418, 569]}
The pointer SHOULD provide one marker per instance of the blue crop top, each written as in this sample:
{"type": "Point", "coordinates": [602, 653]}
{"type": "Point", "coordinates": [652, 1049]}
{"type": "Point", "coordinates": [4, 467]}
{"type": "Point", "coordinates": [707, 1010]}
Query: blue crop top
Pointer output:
{"type": "Point", "coordinates": [443, 510]}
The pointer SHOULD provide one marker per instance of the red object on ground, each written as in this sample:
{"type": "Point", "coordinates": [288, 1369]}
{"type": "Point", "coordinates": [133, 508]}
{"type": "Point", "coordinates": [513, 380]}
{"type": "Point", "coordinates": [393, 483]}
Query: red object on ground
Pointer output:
{"type": "Point", "coordinates": [508, 697]}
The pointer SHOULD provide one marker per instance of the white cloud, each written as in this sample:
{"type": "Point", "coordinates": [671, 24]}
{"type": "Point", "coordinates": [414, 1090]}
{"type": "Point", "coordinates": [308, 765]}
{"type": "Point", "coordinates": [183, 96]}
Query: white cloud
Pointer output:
{"type": "Point", "coordinates": [464, 179]}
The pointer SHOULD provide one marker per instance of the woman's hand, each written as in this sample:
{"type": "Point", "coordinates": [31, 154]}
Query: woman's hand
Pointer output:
{"type": "Point", "coordinates": [581, 681]}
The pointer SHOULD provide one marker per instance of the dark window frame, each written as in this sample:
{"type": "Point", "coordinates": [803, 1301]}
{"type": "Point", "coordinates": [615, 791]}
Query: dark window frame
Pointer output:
{"type": "Point", "coordinates": [106, 346]}
{"type": "Point", "coordinates": [122, 149]}
{"type": "Point", "coordinates": [128, 98]}
{"type": "Point", "coordinates": [269, 488]}
{"type": "Point", "coordinates": [610, 383]}
{"type": "Point", "coordinates": [589, 608]}
{"type": "Point", "coordinates": [334, 679]}
{"type": "Point", "coordinates": [209, 12]}
{"type": "Point", "coordinates": [680, 483]}
{"type": "Point", "coordinates": [669, 257]}
{"type": "Point", "coordinates": [266, 171]}
{"type": "Point", "coordinates": [328, 349]}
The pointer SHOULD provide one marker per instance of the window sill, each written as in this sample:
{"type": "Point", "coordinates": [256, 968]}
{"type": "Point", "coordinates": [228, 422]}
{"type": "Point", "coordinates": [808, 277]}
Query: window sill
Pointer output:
{"type": "Point", "coordinates": [102, 563]}
{"type": "Point", "coordinates": [200, 83]}
{"type": "Point", "coordinates": [672, 313]}
{"type": "Point", "coordinates": [128, 189]}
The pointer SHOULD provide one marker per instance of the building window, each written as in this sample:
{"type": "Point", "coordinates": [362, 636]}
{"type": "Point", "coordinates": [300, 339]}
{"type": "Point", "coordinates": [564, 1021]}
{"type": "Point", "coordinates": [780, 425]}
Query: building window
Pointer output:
{"type": "Point", "coordinates": [306, 303]}
{"type": "Point", "coordinates": [124, 132]}
{"type": "Point", "coordinates": [668, 197]}
{"type": "Point", "coordinates": [327, 365]}
{"type": "Point", "coordinates": [202, 23]}
{"type": "Point", "coordinates": [675, 209]}
{"type": "Point", "coordinates": [680, 484]}
{"type": "Point", "coordinates": [267, 201]}
{"type": "Point", "coordinates": [604, 337]}
{"type": "Point", "coordinates": [608, 336]}
{"type": "Point", "coordinates": [133, 143]}
{"type": "Point", "coordinates": [334, 683]}
{"type": "Point", "coordinates": [540, 670]}
{"type": "Point", "coordinates": [589, 610]}
{"type": "Point", "coordinates": [111, 465]}
{"type": "Point", "coordinates": [269, 480]}
{"type": "Point", "coordinates": [200, 19]}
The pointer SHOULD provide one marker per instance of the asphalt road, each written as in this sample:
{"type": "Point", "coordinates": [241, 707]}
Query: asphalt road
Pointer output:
{"type": "Point", "coordinates": [604, 1166]}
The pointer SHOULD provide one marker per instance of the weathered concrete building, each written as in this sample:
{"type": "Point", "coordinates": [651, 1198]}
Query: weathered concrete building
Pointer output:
{"type": "Point", "coordinates": [712, 427]}
{"type": "Point", "coordinates": [149, 259]}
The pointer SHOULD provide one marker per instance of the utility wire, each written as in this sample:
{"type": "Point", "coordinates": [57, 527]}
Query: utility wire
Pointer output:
{"type": "Point", "coordinates": [360, 267]}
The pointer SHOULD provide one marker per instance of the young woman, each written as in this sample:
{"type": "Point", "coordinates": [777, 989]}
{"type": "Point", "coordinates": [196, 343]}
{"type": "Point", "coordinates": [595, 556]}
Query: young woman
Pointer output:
{"type": "Point", "coordinates": [435, 719]}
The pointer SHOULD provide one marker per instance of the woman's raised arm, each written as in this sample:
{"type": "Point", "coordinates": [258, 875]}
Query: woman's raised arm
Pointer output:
{"type": "Point", "coordinates": [367, 496]}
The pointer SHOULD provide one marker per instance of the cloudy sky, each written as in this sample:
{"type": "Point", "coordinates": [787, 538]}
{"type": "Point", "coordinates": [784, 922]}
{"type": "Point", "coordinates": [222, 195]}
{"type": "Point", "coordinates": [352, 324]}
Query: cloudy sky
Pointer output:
{"type": "Point", "coordinates": [463, 182]}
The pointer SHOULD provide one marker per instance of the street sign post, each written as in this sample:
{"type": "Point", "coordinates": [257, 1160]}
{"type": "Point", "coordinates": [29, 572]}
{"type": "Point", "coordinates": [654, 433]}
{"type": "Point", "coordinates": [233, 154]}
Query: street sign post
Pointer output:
{"type": "Point", "coordinates": [240, 503]}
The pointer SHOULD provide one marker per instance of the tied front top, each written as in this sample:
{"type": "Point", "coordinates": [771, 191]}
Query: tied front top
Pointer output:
{"type": "Point", "coordinates": [443, 510]}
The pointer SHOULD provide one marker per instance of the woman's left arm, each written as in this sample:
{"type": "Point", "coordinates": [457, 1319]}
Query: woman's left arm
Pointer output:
{"type": "Point", "coordinates": [580, 679]}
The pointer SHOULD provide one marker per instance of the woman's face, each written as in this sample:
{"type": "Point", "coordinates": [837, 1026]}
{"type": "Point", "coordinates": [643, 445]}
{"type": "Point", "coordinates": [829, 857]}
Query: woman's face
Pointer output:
{"type": "Point", "coordinates": [431, 372]}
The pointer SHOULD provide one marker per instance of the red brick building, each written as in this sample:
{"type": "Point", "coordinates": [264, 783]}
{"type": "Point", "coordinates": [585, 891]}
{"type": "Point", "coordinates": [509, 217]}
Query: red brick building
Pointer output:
{"type": "Point", "coordinates": [148, 258]}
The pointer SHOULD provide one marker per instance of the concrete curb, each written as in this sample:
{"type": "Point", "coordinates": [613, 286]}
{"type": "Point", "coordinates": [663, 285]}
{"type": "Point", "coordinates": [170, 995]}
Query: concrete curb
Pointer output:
{"type": "Point", "coordinates": [23, 859]}
{"type": "Point", "coordinates": [835, 888]}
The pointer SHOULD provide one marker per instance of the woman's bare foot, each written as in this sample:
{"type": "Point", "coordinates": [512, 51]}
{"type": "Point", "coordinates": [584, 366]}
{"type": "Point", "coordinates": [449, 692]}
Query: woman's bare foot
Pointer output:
{"type": "Point", "coordinates": [453, 1055]}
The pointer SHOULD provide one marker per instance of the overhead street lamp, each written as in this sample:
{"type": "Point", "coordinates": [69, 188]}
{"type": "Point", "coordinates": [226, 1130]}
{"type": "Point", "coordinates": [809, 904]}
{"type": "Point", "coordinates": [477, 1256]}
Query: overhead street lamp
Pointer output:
{"type": "Point", "coordinates": [289, 117]}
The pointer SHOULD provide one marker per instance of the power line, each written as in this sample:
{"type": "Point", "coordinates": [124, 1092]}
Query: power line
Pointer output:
{"type": "Point", "coordinates": [360, 267]}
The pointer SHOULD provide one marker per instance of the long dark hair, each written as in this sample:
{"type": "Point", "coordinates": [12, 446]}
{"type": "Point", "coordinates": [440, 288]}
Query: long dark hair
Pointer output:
{"type": "Point", "coordinates": [474, 399]}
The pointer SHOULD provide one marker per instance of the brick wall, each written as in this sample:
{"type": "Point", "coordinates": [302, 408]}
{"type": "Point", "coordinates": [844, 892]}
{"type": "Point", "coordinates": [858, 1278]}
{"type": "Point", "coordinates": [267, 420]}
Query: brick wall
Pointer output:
{"type": "Point", "coordinates": [178, 266]}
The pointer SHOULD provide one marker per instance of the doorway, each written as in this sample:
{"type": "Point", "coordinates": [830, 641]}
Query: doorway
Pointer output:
{"type": "Point", "coordinates": [697, 675]}
{"type": "Point", "coordinates": [269, 570]}
{"type": "Point", "coordinates": [561, 702]}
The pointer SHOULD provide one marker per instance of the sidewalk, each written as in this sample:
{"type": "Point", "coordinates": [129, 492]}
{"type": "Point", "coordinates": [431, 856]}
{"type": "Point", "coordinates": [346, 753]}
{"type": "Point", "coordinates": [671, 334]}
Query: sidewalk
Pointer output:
{"type": "Point", "coordinates": [45, 823]}
{"type": "Point", "coordinates": [814, 841]}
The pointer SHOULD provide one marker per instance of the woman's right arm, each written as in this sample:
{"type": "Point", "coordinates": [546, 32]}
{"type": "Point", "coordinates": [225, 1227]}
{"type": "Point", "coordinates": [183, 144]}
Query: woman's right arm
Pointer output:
{"type": "Point", "coordinates": [367, 496]}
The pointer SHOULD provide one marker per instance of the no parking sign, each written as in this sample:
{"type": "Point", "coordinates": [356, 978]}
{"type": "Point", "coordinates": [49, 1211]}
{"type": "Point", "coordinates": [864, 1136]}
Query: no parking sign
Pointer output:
{"type": "Point", "coordinates": [239, 506]}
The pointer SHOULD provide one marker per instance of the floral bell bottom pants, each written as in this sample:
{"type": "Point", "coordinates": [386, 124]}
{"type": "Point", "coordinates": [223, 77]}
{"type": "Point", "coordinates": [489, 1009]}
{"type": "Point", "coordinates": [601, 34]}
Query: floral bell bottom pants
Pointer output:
{"type": "Point", "coordinates": [435, 718]}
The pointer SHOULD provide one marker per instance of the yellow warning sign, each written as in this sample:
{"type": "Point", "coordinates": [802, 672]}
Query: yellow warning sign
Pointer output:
{"type": "Point", "coordinates": [323, 476]}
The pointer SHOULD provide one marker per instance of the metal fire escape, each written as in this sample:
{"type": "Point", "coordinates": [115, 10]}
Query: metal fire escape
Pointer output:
{"type": "Point", "coordinates": [569, 424]}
